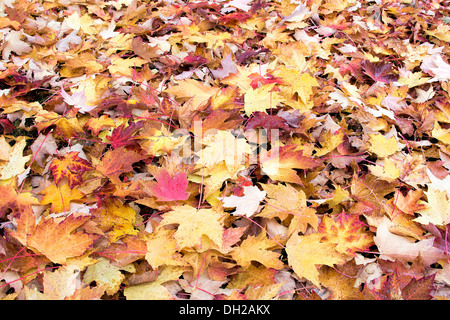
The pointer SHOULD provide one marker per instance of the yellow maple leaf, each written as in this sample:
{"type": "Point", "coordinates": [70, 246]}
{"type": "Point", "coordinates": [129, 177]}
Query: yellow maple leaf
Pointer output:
{"type": "Point", "coordinates": [261, 99]}
{"type": "Point", "coordinates": [277, 35]}
{"type": "Point", "coordinates": [442, 32]}
{"type": "Point", "coordinates": [223, 146]}
{"type": "Point", "coordinates": [279, 164]}
{"type": "Point", "coordinates": [161, 249]}
{"type": "Point", "coordinates": [413, 80]}
{"type": "Point", "coordinates": [85, 63]}
{"type": "Point", "coordinates": [339, 196]}
{"type": "Point", "coordinates": [124, 67]}
{"type": "Point", "coordinates": [257, 249]}
{"type": "Point", "coordinates": [116, 218]}
{"type": "Point", "coordinates": [161, 142]}
{"type": "Point", "coordinates": [190, 88]}
{"type": "Point", "coordinates": [193, 224]}
{"type": "Point", "coordinates": [381, 146]}
{"type": "Point", "coordinates": [266, 292]}
{"type": "Point", "coordinates": [94, 88]}
{"type": "Point", "coordinates": [98, 124]}
{"type": "Point", "coordinates": [340, 284]}
{"type": "Point", "coordinates": [329, 142]}
{"type": "Point", "coordinates": [441, 134]}
{"type": "Point", "coordinates": [253, 276]}
{"type": "Point", "coordinates": [385, 170]}
{"type": "Point", "coordinates": [58, 284]}
{"type": "Point", "coordinates": [240, 79]}
{"type": "Point", "coordinates": [212, 39]}
{"type": "Point", "coordinates": [437, 209]}
{"type": "Point", "coordinates": [214, 177]}
{"type": "Point", "coordinates": [106, 274]}
{"type": "Point", "coordinates": [4, 149]}
{"type": "Point", "coordinates": [306, 253]}
{"type": "Point", "coordinates": [297, 82]}
{"type": "Point", "coordinates": [60, 197]}
{"type": "Point", "coordinates": [68, 126]}
{"type": "Point", "coordinates": [299, 223]}
{"type": "Point", "coordinates": [16, 162]}
{"type": "Point", "coordinates": [120, 42]}
{"type": "Point", "coordinates": [283, 201]}
{"type": "Point", "coordinates": [155, 290]}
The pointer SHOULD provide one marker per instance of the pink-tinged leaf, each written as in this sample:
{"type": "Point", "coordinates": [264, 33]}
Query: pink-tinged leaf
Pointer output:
{"type": "Point", "coordinates": [419, 289]}
{"type": "Point", "coordinates": [78, 100]}
{"type": "Point", "coordinates": [194, 60]}
{"type": "Point", "coordinates": [228, 67]}
{"type": "Point", "coordinates": [264, 120]}
{"type": "Point", "coordinates": [170, 188]}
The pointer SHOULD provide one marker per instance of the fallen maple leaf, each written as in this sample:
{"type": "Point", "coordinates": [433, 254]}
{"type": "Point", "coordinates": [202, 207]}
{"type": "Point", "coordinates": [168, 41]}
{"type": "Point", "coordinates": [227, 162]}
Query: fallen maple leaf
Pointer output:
{"type": "Point", "coordinates": [41, 237]}
{"type": "Point", "coordinates": [13, 43]}
{"type": "Point", "coordinates": [247, 204]}
{"type": "Point", "coordinates": [190, 88]}
{"type": "Point", "coordinates": [77, 100]}
{"type": "Point", "coordinates": [16, 160]}
{"type": "Point", "coordinates": [279, 164]}
{"type": "Point", "coordinates": [437, 210]}
{"type": "Point", "coordinates": [379, 71]}
{"type": "Point", "coordinates": [14, 201]}
{"type": "Point", "coordinates": [122, 136]}
{"type": "Point", "coordinates": [383, 146]}
{"type": "Point", "coordinates": [58, 285]}
{"type": "Point", "coordinates": [106, 274]}
{"type": "Point", "coordinates": [347, 233]}
{"type": "Point", "coordinates": [257, 249]}
{"type": "Point", "coordinates": [116, 219]}
{"type": "Point", "coordinates": [261, 99]}
{"type": "Point", "coordinates": [193, 224]}
{"type": "Point", "coordinates": [284, 200]}
{"type": "Point", "coordinates": [118, 161]}
{"type": "Point", "coordinates": [436, 66]}
{"type": "Point", "coordinates": [169, 188]}
{"type": "Point", "coordinates": [392, 246]}
{"type": "Point", "coordinates": [162, 249]}
{"type": "Point", "coordinates": [306, 253]}
{"type": "Point", "coordinates": [72, 167]}
{"type": "Point", "coordinates": [59, 197]}
{"type": "Point", "coordinates": [98, 124]}
{"type": "Point", "coordinates": [155, 290]}
{"type": "Point", "coordinates": [393, 288]}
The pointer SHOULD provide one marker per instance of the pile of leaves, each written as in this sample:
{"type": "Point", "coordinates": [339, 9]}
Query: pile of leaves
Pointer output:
{"type": "Point", "coordinates": [334, 183]}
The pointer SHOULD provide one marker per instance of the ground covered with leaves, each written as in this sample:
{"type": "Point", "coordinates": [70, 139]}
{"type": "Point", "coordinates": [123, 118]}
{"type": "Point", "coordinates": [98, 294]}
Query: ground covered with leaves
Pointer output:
{"type": "Point", "coordinates": [224, 149]}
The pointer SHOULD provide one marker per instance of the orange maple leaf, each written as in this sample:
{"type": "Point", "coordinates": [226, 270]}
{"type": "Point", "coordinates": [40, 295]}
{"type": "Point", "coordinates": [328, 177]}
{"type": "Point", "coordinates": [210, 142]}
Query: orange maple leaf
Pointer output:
{"type": "Point", "coordinates": [55, 238]}
{"type": "Point", "coordinates": [118, 161]}
{"type": "Point", "coordinates": [279, 166]}
{"type": "Point", "coordinates": [347, 232]}
{"type": "Point", "coordinates": [60, 197]}
{"type": "Point", "coordinates": [72, 167]}
{"type": "Point", "coordinates": [16, 202]}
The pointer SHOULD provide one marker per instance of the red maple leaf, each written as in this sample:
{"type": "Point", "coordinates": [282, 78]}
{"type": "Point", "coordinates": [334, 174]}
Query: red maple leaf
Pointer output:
{"type": "Point", "coordinates": [263, 80]}
{"type": "Point", "coordinates": [122, 136]}
{"type": "Point", "coordinates": [379, 71]}
{"type": "Point", "coordinates": [169, 188]}
{"type": "Point", "coordinates": [264, 120]}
